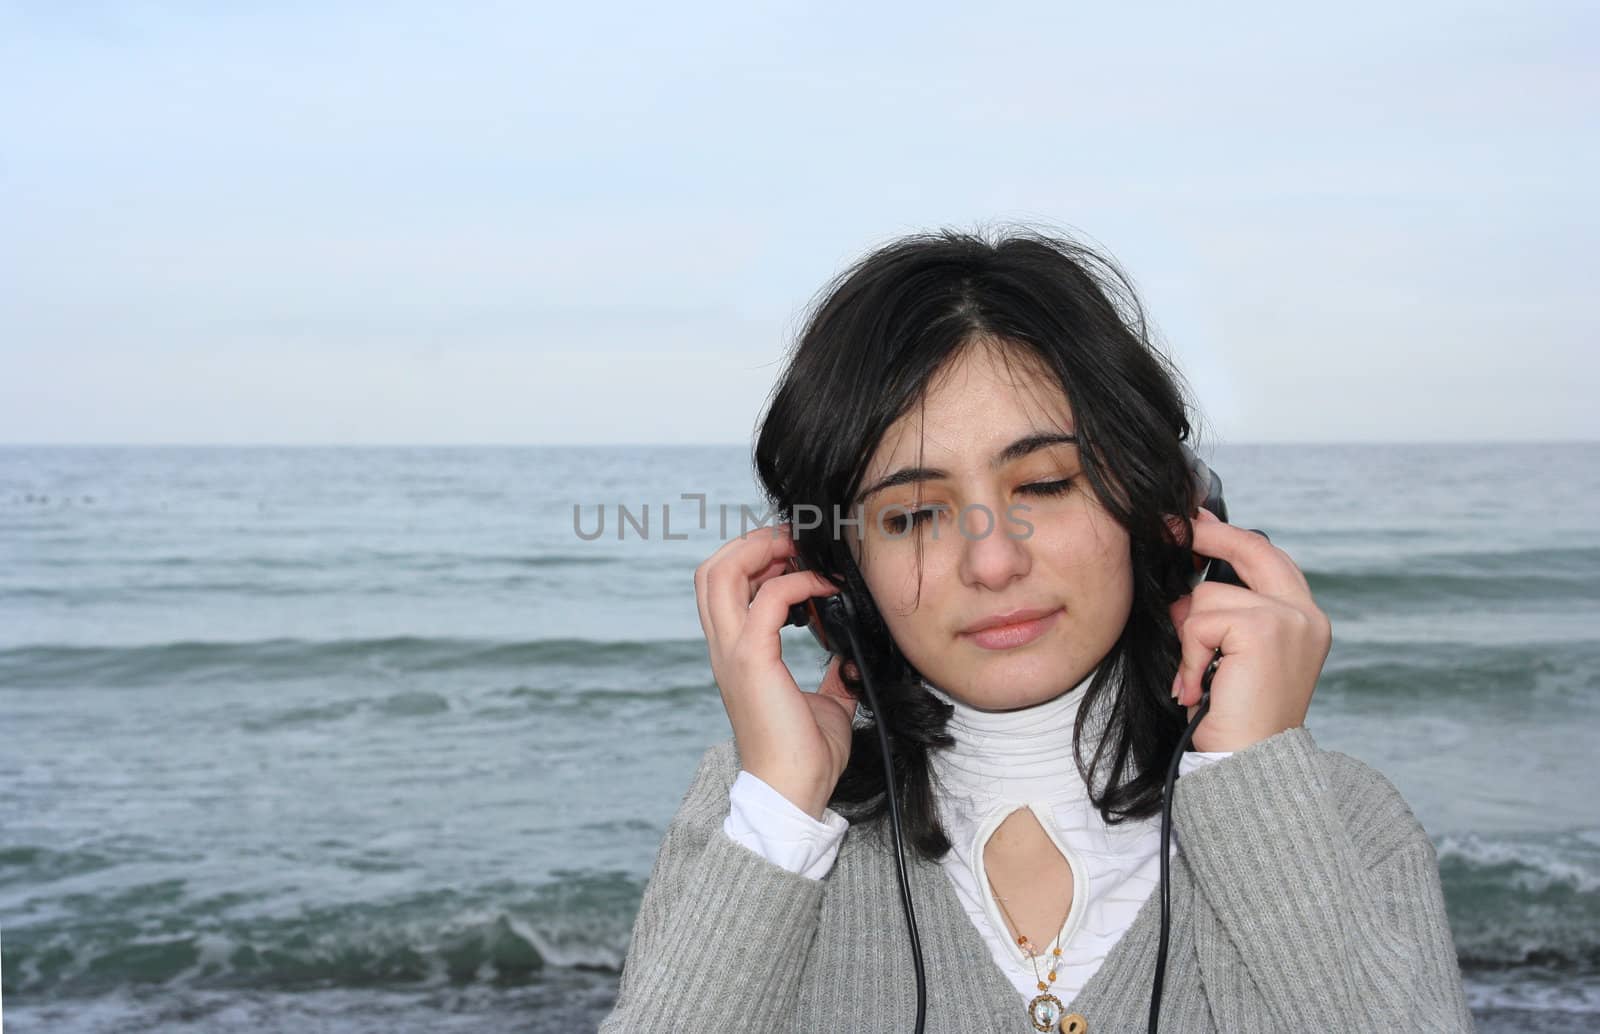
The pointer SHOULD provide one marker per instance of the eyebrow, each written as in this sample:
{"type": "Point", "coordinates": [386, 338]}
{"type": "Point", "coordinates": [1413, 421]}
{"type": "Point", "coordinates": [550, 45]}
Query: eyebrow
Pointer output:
{"type": "Point", "coordinates": [1015, 451]}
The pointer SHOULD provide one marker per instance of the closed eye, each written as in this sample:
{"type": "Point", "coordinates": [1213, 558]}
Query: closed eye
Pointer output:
{"type": "Point", "coordinates": [1047, 487]}
{"type": "Point", "coordinates": [897, 524]}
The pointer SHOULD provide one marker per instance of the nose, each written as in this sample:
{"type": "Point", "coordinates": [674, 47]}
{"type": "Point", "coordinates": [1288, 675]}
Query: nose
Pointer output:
{"type": "Point", "coordinates": [990, 557]}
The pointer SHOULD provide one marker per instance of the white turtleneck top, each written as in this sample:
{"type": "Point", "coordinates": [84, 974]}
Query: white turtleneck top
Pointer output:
{"type": "Point", "coordinates": [1001, 761]}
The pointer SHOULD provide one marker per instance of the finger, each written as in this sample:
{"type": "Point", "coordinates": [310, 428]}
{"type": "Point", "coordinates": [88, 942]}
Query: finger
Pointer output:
{"type": "Point", "coordinates": [1223, 596]}
{"type": "Point", "coordinates": [1263, 566]}
{"type": "Point", "coordinates": [781, 531]}
{"type": "Point", "coordinates": [728, 588]}
{"type": "Point", "coordinates": [702, 575]}
{"type": "Point", "coordinates": [1212, 596]}
{"type": "Point", "coordinates": [1276, 551]}
{"type": "Point", "coordinates": [769, 611]}
{"type": "Point", "coordinates": [1205, 632]}
{"type": "Point", "coordinates": [777, 567]}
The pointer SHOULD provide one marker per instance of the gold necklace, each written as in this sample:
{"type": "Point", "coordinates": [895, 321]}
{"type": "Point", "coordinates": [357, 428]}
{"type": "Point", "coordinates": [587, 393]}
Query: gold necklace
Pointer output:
{"type": "Point", "coordinates": [1045, 1010]}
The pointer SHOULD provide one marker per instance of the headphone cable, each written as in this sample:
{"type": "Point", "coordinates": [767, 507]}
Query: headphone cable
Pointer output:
{"type": "Point", "coordinates": [1166, 834]}
{"type": "Point", "coordinates": [894, 812]}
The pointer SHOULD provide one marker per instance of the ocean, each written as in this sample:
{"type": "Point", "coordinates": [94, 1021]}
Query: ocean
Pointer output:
{"type": "Point", "coordinates": [373, 740]}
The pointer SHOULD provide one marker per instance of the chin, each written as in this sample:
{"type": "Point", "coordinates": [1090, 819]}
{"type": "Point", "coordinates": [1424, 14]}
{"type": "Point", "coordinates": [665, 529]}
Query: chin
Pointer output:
{"type": "Point", "coordinates": [1010, 689]}
{"type": "Point", "coordinates": [1019, 702]}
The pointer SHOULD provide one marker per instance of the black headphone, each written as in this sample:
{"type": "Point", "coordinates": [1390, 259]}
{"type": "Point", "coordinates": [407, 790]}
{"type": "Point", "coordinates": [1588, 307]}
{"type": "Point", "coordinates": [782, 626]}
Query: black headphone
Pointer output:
{"type": "Point", "coordinates": [833, 621]}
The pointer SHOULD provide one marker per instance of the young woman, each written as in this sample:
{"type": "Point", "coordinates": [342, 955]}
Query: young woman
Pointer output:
{"type": "Point", "coordinates": [996, 454]}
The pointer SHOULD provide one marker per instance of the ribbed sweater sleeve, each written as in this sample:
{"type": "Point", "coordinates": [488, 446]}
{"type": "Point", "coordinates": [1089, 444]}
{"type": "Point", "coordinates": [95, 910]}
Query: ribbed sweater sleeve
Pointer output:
{"type": "Point", "coordinates": [1333, 903]}
{"type": "Point", "coordinates": [720, 929]}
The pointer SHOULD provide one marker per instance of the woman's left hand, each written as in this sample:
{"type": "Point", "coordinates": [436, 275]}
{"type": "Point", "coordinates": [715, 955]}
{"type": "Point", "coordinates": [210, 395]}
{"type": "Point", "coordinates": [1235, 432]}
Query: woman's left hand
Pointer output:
{"type": "Point", "coordinates": [1274, 640]}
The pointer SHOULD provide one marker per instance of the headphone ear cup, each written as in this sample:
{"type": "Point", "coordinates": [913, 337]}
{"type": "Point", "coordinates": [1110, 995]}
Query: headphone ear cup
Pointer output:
{"type": "Point", "coordinates": [810, 614]}
{"type": "Point", "coordinates": [834, 618]}
{"type": "Point", "coordinates": [801, 615]}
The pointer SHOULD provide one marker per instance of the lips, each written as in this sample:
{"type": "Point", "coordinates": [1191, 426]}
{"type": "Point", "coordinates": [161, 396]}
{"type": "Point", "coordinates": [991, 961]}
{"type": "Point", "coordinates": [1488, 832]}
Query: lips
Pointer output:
{"type": "Point", "coordinates": [1015, 617]}
{"type": "Point", "coordinates": [1014, 632]}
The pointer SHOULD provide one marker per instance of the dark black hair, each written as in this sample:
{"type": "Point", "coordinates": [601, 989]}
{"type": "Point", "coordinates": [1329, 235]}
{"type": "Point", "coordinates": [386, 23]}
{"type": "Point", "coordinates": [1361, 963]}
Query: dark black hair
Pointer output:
{"type": "Point", "coordinates": [871, 342]}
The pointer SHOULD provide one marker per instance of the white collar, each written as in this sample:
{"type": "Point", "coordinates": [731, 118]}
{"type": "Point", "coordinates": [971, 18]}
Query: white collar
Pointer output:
{"type": "Point", "coordinates": [1010, 756]}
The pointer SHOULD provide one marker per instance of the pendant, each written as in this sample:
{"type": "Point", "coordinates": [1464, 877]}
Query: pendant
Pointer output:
{"type": "Point", "coordinates": [1045, 1011]}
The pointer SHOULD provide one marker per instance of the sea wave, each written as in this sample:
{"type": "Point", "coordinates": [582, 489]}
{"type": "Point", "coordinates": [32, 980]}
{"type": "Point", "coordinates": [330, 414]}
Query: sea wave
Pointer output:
{"type": "Point", "coordinates": [1527, 900]}
{"type": "Point", "coordinates": [501, 936]}
{"type": "Point", "coordinates": [191, 662]}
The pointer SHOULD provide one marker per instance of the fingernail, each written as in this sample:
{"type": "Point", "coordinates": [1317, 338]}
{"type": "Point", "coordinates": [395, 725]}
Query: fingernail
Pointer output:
{"type": "Point", "coordinates": [1177, 685]}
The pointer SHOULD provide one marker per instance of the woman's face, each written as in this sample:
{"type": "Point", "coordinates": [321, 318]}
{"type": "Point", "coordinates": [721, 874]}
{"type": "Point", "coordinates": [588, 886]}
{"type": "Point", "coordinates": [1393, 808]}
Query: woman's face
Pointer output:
{"type": "Point", "coordinates": [1073, 566]}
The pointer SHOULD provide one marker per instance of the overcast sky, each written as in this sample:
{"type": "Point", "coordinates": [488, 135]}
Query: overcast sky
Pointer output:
{"type": "Point", "coordinates": [449, 223]}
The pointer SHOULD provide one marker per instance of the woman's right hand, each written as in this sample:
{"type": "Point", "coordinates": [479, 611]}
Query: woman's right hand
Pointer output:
{"type": "Point", "coordinates": [796, 742]}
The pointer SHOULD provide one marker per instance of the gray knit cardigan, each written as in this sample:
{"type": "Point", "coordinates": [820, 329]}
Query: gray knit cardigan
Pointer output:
{"type": "Point", "coordinates": [1305, 897]}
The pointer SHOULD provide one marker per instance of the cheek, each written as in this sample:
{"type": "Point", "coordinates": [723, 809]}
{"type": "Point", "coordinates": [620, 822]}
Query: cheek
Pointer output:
{"type": "Point", "coordinates": [1117, 562]}
{"type": "Point", "coordinates": [913, 617]}
{"type": "Point", "coordinates": [1088, 541]}
{"type": "Point", "coordinates": [1119, 580]}
{"type": "Point", "coordinates": [894, 589]}
{"type": "Point", "coordinates": [1104, 566]}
